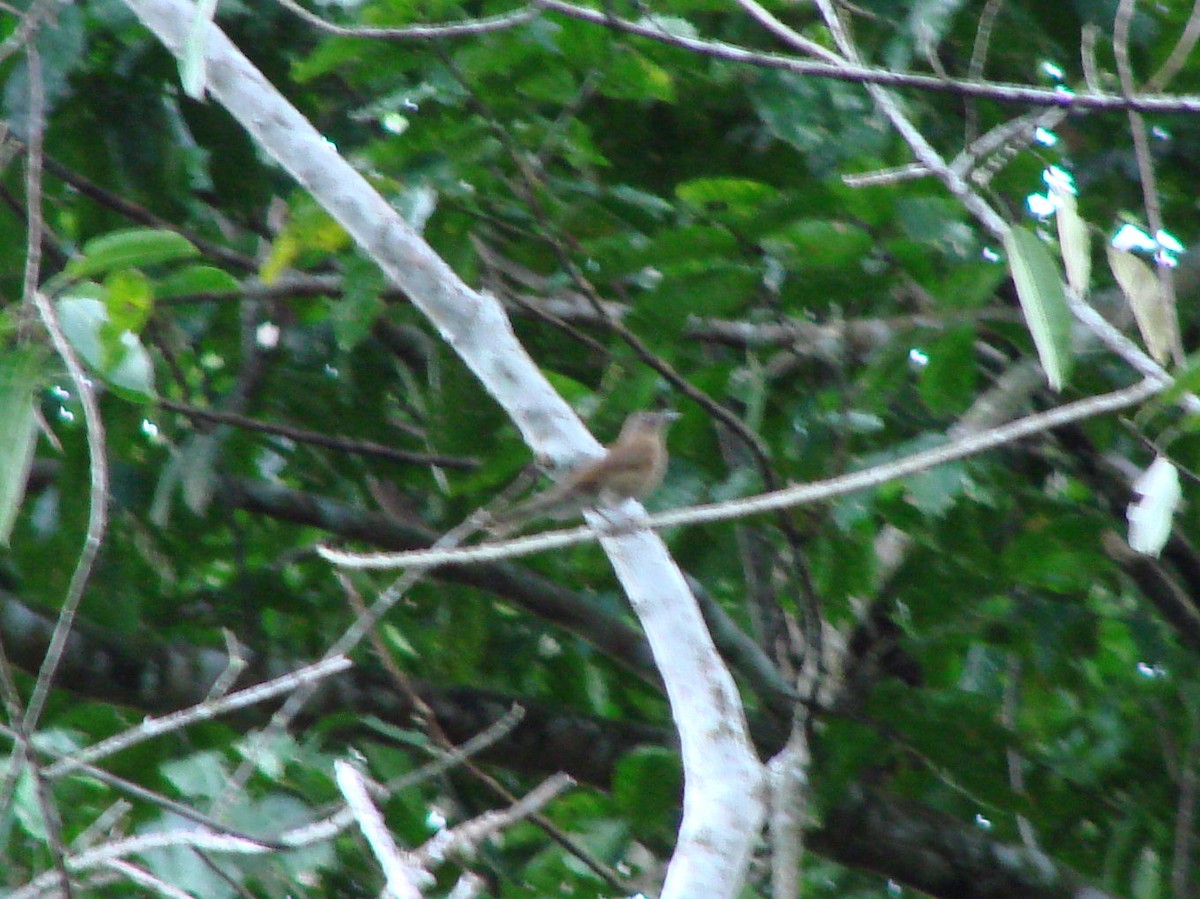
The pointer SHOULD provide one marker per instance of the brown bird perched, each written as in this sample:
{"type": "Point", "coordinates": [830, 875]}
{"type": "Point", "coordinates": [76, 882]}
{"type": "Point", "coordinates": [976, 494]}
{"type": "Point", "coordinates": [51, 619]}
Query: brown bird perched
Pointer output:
{"type": "Point", "coordinates": [632, 468]}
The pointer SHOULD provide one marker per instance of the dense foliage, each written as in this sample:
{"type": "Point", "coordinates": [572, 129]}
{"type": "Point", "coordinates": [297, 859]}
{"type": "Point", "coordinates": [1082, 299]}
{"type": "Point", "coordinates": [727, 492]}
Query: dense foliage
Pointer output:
{"type": "Point", "coordinates": [1011, 700]}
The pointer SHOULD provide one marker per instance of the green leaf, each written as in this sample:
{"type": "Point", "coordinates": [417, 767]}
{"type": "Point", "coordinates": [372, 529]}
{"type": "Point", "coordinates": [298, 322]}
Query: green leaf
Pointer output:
{"type": "Point", "coordinates": [183, 867]}
{"type": "Point", "coordinates": [133, 248]}
{"type": "Point", "coordinates": [826, 121]}
{"type": "Point", "coordinates": [193, 71]}
{"type": "Point", "coordinates": [737, 198]}
{"type": "Point", "coordinates": [129, 298]}
{"type": "Point", "coordinates": [361, 304]}
{"type": "Point", "coordinates": [631, 76]}
{"type": "Point", "coordinates": [1186, 381]}
{"type": "Point", "coordinates": [936, 490]}
{"type": "Point", "coordinates": [18, 435]}
{"type": "Point", "coordinates": [683, 249]}
{"type": "Point", "coordinates": [1059, 556]}
{"type": "Point", "coordinates": [27, 808]}
{"type": "Point", "coordinates": [1039, 288]}
{"type": "Point", "coordinates": [1139, 283]}
{"type": "Point", "coordinates": [309, 229]}
{"type": "Point", "coordinates": [937, 222]}
{"type": "Point", "coordinates": [969, 285]}
{"type": "Point", "coordinates": [720, 290]}
{"type": "Point", "coordinates": [119, 358]}
{"type": "Point", "coordinates": [201, 775]}
{"type": "Point", "coordinates": [1147, 875]}
{"type": "Point", "coordinates": [819, 244]}
{"type": "Point", "coordinates": [647, 785]}
{"type": "Point", "coordinates": [947, 382]}
{"type": "Point", "coordinates": [196, 279]}
{"type": "Point", "coordinates": [1074, 242]}
{"type": "Point", "coordinates": [651, 204]}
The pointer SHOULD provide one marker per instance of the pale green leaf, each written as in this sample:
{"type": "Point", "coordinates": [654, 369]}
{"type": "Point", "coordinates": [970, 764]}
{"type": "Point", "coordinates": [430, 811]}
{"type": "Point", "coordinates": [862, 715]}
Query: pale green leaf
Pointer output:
{"type": "Point", "coordinates": [1147, 875]}
{"type": "Point", "coordinates": [193, 71]}
{"type": "Point", "coordinates": [118, 356]}
{"type": "Point", "coordinates": [1140, 285]}
{"type": "Point", "coordinates": [129, 298]}
{"type": "Point", "coordinates": [194, 279]}
{"type": "Point", "coordinates": [1039, 288]}
{"type": "Point", "coordinates": [1074, 242]}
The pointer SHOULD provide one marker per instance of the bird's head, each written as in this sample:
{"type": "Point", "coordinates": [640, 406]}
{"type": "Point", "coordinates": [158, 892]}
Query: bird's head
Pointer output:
{"type": "Point", "coordinates": [648, 422]}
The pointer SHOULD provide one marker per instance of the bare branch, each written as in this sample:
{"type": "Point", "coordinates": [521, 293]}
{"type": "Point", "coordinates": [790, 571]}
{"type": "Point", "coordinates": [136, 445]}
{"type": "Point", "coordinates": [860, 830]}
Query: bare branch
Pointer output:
{"type": "Point", "coordinates": [1001, 92]}
{"type": "Point", "coordinates": [144, 878]}
{"type": "Point", "coordinates": [465, 837]}
{"type": "Point", "coordinates": [1179, 53]}
{"type": "Point", "coordinates": [26, 725]}
{"type": "Point", "coordinates": [403, 874]}
{"type": "Point", "coordinates": [307, 676]}
{"type": "Point", "coordinates": [317, 438]}
{"type": "Point", "coordinates": [482, 25]}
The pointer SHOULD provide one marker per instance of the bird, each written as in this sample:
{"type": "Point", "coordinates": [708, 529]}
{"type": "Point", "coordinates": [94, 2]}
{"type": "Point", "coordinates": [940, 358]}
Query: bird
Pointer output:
{"type": "Point", "coordinates": [632, 467]}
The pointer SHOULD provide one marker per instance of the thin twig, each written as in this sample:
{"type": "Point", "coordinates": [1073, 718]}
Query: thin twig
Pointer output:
{"type": "Point", "coordinates": [116, 849]}
{"type": "Point", "coordinates": [308, 676]}
{"type": "Point", "coordinates": [1087, 56]}
{"type": "Point", "coordinates": [463, 838]}
{"type": "Point", "coordinates": [461, 755]}
{"type": "Point", "coordinates": [350, 638]}
{"type": "Point", "coordinates": [975, 68]}
{"type": "Point", "coordinates": [983, 39]}
{"type": "Point", "coordinates": [98, 495]}
{"type": "Point", "coordinates": [98, 515]}
{"type": "Point", "coordinates": [143, 216]}
{"type": "Point", "coordinates": [1004, 135]}
{"type": "Point", "coordinates": [1179, 53]}
{"type": "Point", "coordinates": [51, 819]}
{"type": "Point", "coordinates": [317, 438]}
{"type": "Point", "coordinates": [21, 36]}
{"type": "Point", "coordinates": [482, 25]}
{"type": "Point", "coordinates": [787, 34]}
{"type": "Point", "coordinates": [144, 878]}
{"type": "Point", "coordinates": [1017, 94]}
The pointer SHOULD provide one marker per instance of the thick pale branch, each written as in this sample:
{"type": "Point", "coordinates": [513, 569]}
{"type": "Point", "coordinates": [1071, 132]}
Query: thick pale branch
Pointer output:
{"type": "Point", "coordinates": [723, 805]}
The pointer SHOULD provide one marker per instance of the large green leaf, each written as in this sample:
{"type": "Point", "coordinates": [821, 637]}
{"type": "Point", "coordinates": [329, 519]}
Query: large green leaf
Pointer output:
{"type": "Point", "coordinates": [1155, 319]}
{"type": "Point", "coordinates": [647, 788]}
{"type": "Point", "coordinates": [1039, 287]}
{"type": "Point", "coordinates": [118, 356]}
{"type": "Point", "coordinates": [827, 121]}
{"type": "Point", "coordinates": [133, 248]}
{"type": "Point", "coordinates": [948, 378]}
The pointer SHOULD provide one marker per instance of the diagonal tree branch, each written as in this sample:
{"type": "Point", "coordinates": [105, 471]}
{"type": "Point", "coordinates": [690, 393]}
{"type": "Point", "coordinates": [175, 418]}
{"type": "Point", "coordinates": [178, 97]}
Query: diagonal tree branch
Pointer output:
{"type": "Point", "coordinates": [723, 804]}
